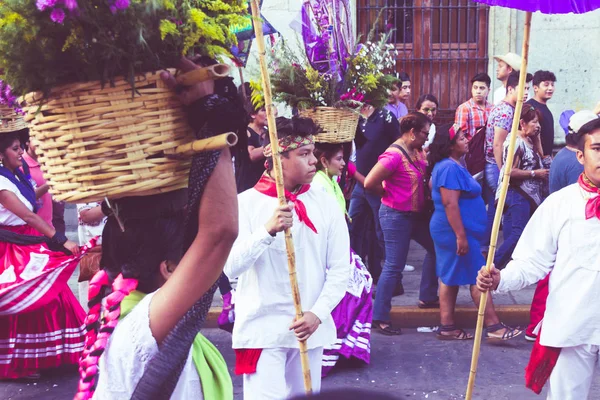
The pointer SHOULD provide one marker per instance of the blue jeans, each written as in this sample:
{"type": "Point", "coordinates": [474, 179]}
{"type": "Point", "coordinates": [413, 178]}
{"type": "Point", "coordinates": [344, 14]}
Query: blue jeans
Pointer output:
{"type": "Point", "coordinates": [490, 184]}
{"type": "Point", "coordinates": [364, 212]}
{"type": "Point", "coordinates": [516, 216]}
{"type": "Point", "coordinates": [398, 229]}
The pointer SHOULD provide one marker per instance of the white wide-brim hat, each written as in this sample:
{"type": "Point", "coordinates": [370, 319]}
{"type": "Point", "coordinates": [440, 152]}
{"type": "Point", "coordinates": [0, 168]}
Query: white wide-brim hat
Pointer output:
{"type": "Point", "coordinates": [512, 59]}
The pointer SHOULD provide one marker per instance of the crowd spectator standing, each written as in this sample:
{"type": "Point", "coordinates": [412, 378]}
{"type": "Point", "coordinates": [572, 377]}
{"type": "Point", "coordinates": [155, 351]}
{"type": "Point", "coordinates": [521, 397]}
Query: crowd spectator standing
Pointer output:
{"type": "Point", "coordinates": [564, 171]}
{"type": "Point", "coordinates": [506, 65]}
{"type": "Point", "coordinates": [377, 129]}
{"type": "Point", "coordinates": [473, 114]}
{"type": "Point", "coordinates": [543, 88]}
{"type": "Point", "coordinates": [399, 177]}
{"type": "Point", "coordinates": [428, 105]}
{"type": "Point", "coordinates": [457, 228]}
{"type": "Point", "coordinates": [528, 182]}
{"type": "Point", "coordinates": [497, 130]}
{"type": "Point", "coordinates": [399, 96]}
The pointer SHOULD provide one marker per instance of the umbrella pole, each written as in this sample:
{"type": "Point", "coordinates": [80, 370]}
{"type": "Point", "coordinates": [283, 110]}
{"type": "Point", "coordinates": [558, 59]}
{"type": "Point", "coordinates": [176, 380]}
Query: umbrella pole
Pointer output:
{"type": "Point", "coordinates": [278, 175]}
{"type": "Point", "coordinates": [501, 201]}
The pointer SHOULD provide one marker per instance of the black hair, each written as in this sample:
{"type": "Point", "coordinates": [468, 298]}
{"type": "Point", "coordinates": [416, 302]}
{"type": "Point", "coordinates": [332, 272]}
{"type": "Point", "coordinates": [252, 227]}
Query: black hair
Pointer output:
{"type": "Point", "coordinates": [529, 112]}
{"type": "Point", "coordinates": [542, 76]}
{"type": "Point", "coordinates": [571, 140]}
{"type": "Point", "coordinates": [426, 97]}
{"type": "Point", "coordinates": [579, 136]}
{"type": "Point", "coordinates": [413, 120]}
{"type": "Point", "coordinates": [327, 150]}
{"type": "Point", "coordinates": [403, 77]}
{"type": "Point", "coordinates": [482, 77]}
{"type": "Point", "coordinates": [7, 140]}
{"type": "Point", "coordinates": [441, 147]}
{"type": "Point", "coordinates": [295, 126]}
{"type": "Point", "coordinates": [138, 251]}
{"type": "Point", "coordinates": [513, 79]}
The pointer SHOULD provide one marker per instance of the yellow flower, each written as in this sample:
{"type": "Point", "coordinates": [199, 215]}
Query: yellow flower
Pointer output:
{"type": "Point", "coordinates": [168, 28]}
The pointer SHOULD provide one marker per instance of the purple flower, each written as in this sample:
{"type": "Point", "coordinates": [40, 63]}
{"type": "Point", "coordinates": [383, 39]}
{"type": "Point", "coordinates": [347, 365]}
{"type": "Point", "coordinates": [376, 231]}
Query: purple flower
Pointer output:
{"type": "Point", "coordinates": [43, 4]}
{"type": "Point", "coordinates": [121, 4]}
{"type": "Point", "coordinates": [71, 4]}
{"type": "Point", "coordinates": [113, 9]}
{"type": "Point", "coordinates": [57, 15]}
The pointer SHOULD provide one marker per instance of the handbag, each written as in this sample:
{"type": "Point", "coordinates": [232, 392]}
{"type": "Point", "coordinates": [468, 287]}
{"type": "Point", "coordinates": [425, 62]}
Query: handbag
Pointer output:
{"type": "Point", "coordinates": [428, 206]}
{"type": "Point", "coordinates": [90, 264]}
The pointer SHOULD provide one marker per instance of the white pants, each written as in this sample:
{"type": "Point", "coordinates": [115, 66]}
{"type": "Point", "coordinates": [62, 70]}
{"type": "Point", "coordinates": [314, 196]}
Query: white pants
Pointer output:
{"type": "Point", "coordinates": [279, 374]}
{"type": "Point", "coordinates": [572, 376]}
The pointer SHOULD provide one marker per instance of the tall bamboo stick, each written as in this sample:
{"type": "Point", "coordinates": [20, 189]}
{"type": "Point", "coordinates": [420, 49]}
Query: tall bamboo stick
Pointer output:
{"type": "Point", "coordinates": [278, 174]}
{"type": "Point", "coordinates": [501, 200]}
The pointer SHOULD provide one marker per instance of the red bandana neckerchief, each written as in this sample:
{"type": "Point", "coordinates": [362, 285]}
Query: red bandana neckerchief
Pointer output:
{"type": "Point", "coordinates": [592, 207]}
{"type": "Point", "coordinates": [266, 185]}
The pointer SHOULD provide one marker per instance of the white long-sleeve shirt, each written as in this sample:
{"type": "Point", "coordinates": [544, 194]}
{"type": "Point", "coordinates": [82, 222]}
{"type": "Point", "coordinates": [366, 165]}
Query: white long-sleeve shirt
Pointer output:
{"type": "Point", "coordinates": [558, 238]}
{"type": "Point", "coordinates": [264, 309]}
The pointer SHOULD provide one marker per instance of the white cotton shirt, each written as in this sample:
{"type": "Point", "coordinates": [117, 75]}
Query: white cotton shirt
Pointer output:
{"type": "Point", "coordinates": [88, 231]}
{"type": "Point", "coordinates": [264, 309]}
{"type": "Point", "coordinates": [560, 240]}
{"type": "Point", "coordinates": [7, 217]}
{"type": "Point", "coordinates": [130, 348]}
{"type": "Point", "coordinates": [499, 94]}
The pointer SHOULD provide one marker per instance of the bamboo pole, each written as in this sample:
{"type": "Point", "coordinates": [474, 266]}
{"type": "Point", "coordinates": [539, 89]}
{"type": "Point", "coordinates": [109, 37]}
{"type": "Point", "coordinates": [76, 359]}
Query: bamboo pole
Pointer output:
{"type": "Point", "coordinates": [218, 142]}
{"type": "Point", "coordinates": [278, 174]}
{"type": "Point", "coordinates": [501, 201]}
{"type": "Point", "coordinates": [194, 76]}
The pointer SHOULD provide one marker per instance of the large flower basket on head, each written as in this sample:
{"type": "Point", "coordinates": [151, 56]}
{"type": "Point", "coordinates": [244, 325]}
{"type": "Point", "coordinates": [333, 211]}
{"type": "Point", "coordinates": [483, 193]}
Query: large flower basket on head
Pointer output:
{"type": "Point", "coordinates": [338, 124]}
{"type": "Point", "coordinates": [10, 120]}
{"type": "Point", "coordinates": [112, 141]}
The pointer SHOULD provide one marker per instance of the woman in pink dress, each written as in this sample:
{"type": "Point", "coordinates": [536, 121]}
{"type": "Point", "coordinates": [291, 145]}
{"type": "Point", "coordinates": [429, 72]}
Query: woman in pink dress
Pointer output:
{"type": "Point", "coordinates": [41, 322]}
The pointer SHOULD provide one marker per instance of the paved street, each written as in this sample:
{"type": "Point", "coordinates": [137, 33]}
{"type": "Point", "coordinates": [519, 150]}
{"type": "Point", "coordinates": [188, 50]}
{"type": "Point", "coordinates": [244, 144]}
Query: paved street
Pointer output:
{"type": "Point", "coordinates": [412, 366]}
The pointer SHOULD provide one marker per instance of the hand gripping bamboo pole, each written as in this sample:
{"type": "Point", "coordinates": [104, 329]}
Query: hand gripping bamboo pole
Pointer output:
{"type": "Point", "coordinates": [500, 207]}
{"type": "Point", "coordinates": [278, 174]}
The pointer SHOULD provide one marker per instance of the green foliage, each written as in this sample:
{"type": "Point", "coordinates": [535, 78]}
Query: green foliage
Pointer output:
{"type": "Point", "coordinates": [95, 43]}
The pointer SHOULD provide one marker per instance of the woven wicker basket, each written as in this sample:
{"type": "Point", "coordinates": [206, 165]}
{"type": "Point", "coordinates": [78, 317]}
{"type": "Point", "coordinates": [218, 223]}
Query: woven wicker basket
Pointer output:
{"type": "Point", "coordinates": [10, 121]}
{"type": "Point", "coordinates": [96, 142]}
{"type": "Point", "coordinates": [338, 124]}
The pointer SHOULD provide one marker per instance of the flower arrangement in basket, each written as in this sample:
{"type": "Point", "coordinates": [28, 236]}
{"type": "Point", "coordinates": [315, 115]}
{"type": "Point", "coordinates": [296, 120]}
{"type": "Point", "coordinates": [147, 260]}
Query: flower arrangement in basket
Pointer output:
{"type": "Point", "coordinates": [332, 90]}
{"type": "Point", "coordinates": [88, 71]}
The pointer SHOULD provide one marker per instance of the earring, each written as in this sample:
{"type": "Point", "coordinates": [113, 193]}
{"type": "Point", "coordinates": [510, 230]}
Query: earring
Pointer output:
{"type": "Point", "coordinates": [326, 171]}
{"type": "Point", "coordinates": [413, 137]}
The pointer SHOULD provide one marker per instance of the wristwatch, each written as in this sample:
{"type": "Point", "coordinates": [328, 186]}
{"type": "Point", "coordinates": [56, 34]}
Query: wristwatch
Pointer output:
{"type": "Point", "coordinates": [533, 174]}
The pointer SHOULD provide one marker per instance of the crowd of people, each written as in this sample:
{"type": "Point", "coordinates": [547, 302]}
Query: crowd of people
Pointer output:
{"type": "Point", "coordinates": [151, 269]}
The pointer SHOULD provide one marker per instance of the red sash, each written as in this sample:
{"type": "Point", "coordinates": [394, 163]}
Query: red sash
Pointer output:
{"type": "Point", "coordinates": [541, 363]}
{"type": "Point", "coordinates": [266, 185]}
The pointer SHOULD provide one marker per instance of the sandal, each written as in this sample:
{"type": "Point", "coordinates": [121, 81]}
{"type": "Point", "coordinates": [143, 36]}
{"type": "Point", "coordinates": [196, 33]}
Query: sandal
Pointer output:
{"type": "Point", "coordinates": [461, 335]}
{"type": "Point", "coordinates": [509, 333]}
{"type": "Point", "coordinates": [388, 330]}
{"type": "Point", "coordinates": [428, 304]}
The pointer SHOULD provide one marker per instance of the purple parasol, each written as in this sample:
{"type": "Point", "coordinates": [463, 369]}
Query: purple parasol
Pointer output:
{"type": "Point", "coordinates": [547, 6]}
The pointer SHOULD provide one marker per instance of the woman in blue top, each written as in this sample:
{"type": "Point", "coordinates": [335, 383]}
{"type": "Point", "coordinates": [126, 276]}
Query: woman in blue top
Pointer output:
{"type": "Point", "coordinates": [457, 228]}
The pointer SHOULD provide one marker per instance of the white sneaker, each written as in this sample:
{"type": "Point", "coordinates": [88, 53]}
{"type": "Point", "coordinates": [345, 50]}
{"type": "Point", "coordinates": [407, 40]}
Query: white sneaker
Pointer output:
{"type": "Point", "coordinates": [408, 268]}
{"type": "Point", "coordinates": [531, 338]}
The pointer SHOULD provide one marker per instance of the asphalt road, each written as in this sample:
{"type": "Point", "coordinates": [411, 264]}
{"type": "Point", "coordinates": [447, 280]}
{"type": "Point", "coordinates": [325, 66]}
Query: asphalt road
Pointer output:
{"type": "Point", "coordinates": [412, 366]}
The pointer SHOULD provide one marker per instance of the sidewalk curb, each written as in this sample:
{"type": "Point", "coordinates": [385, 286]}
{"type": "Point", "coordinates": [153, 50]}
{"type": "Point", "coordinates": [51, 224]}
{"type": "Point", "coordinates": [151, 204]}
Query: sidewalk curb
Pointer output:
{"type": "Point", "coordinates": [414, 317]}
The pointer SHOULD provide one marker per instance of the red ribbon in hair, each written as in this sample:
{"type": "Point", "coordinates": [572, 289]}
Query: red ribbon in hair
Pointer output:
{"type": "Point", "coordinates": [592, 207]}
{"type": "Point", "coordinates": [266, 185]}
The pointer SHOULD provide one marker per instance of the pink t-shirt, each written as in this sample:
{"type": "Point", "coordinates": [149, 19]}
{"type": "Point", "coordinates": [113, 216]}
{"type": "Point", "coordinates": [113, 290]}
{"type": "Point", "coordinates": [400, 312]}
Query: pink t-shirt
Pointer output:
{"type": "Point", "coordinates": [45, 212]}
{"type": "Point", "coordinates": [404, 189]}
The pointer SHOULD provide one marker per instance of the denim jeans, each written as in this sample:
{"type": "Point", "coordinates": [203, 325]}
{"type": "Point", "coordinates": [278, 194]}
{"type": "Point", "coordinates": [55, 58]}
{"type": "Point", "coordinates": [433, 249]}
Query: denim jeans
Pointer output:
{"type": "Point", "coordinates": [516, 217]}
{"type": "Point", "coordinates": [364, 212]}
{"type": "Point", "coordinates": [398, 229]}
{"type": "Point", "coordinates": [492, 174]}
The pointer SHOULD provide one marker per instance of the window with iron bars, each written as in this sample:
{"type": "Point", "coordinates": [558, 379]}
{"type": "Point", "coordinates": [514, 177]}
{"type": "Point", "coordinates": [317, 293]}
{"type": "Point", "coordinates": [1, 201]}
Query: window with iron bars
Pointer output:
{"type": "Point", "coordinates": [441, 44]}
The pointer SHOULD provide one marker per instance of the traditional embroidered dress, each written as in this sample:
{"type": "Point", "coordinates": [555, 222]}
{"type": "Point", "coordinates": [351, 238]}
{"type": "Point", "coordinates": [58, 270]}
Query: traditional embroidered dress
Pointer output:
{"type": "Point", "coordinates": [41, 322]}
{"type": "Point", "coordinates": [354, 314]}
{"type": "Point", "coordinates": [266, 349]}
{"type": "Point", "coordinates": [562, 237]}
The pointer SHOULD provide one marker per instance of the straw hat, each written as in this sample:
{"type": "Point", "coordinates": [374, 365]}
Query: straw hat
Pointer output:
{"type": "Point", "coordinates": [579, 119]}
{"type": "Point", "coordinates": [10, 120]}
{"type": "Point", "coordinates": [512, 59]}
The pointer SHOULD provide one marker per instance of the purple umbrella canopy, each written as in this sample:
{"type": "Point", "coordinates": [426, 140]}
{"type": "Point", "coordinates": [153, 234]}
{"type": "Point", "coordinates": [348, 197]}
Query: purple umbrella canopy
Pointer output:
{"type": "Point", "coordinates": [547, 6]}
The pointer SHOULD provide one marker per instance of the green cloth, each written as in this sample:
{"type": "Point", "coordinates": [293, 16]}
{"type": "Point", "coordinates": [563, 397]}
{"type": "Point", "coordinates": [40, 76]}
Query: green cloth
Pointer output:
{"type": "Point", "coordinates": [210, 364]}
{"type": "Point", "coordinates": [332, 188]}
